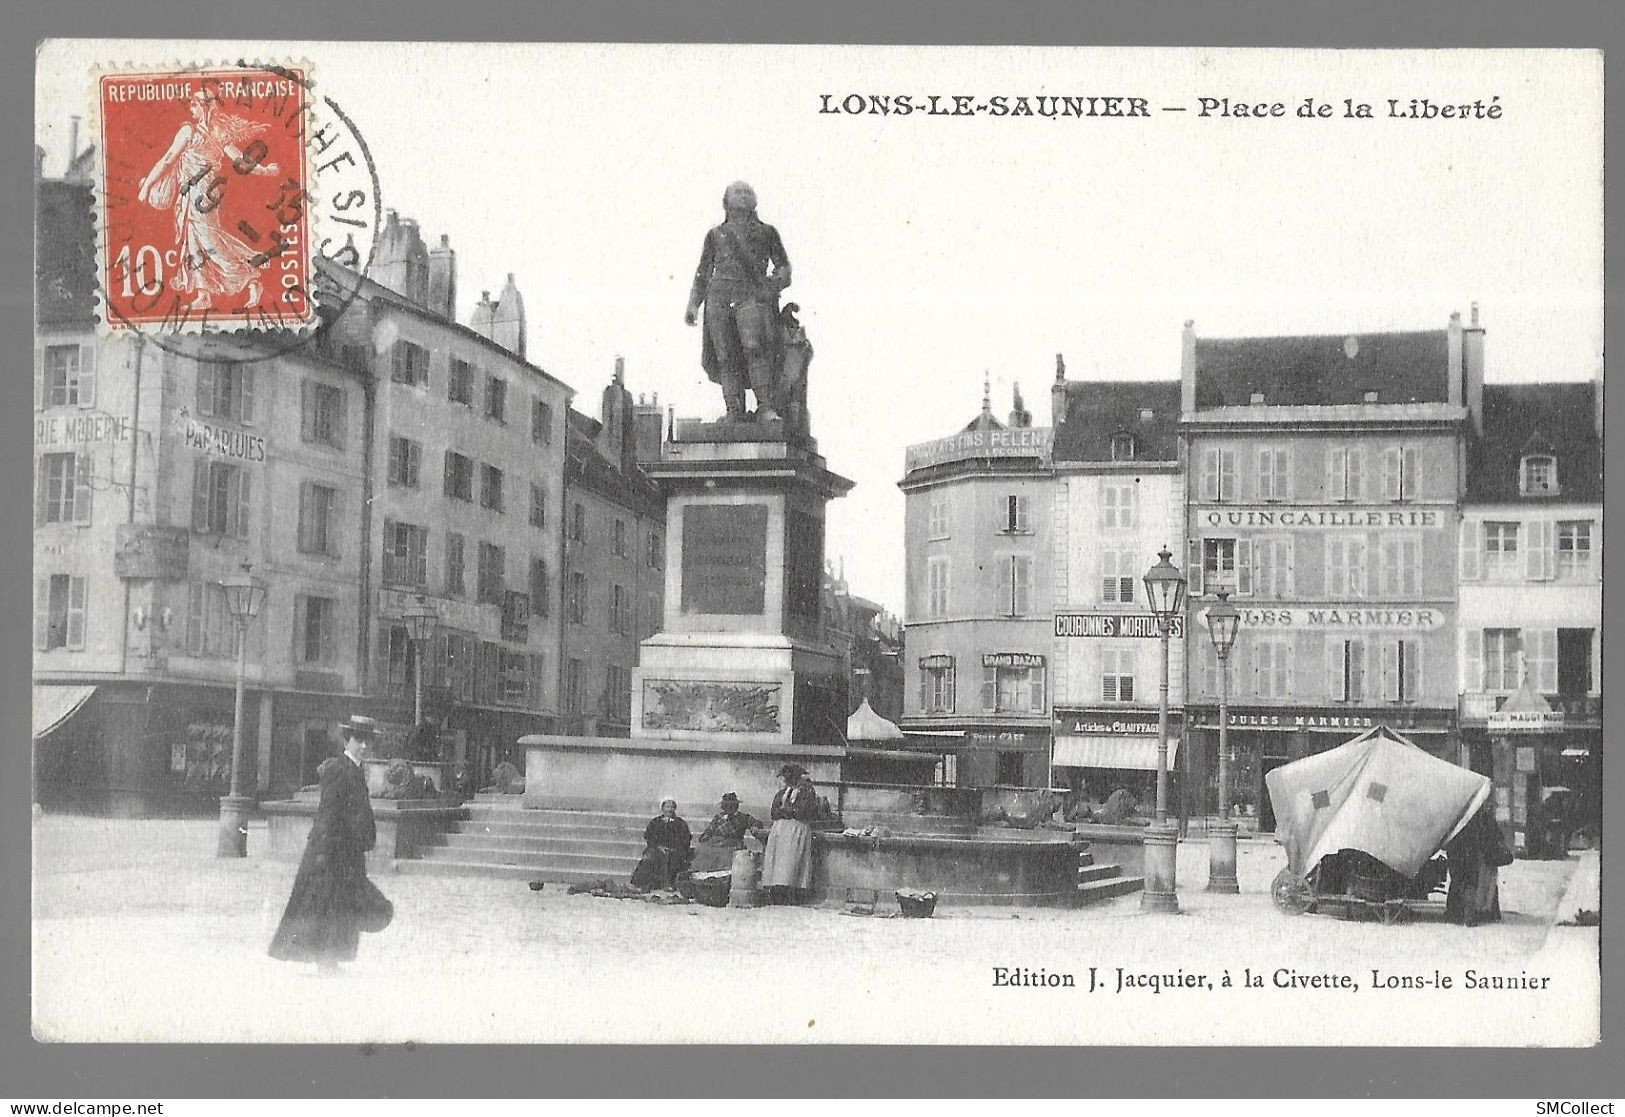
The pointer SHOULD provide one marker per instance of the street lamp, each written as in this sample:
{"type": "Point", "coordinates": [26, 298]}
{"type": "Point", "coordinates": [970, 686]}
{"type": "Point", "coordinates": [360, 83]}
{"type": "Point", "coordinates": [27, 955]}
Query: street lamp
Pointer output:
{"type": "Point", "coordinates": [245, 595]}
{"type": "Point", "coordinates": [1223, 623]}
{"type": "Point", "coordinates": [1165, 591]}
{"type": "Point", "coordinates": [420, 625]}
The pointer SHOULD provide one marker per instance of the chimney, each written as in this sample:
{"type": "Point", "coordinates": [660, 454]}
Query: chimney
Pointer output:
{"type": "Point", "coordinates": [1455, 372]}
{"type": "Point", "coordinates": [647, 429]}
{"type": "Point", "coordinates": [987, 396]}
{"type": "Point", "coordinates": [1019, 415]}
{"type": "Point", "coordinates": [484, 311]}
{"type": "Point", "coordinates": [1187, 367]}
{"type": "Point", "coordinates": [616, 412]}
{"type": "Point", "coordinates": [508, 321]}
{"type": "Point", "coordinates": [1057, 393]}
{"type": "Point", "coordinates": [443, 279]}
{"type": "Point", "coordinates": [1472, 363]}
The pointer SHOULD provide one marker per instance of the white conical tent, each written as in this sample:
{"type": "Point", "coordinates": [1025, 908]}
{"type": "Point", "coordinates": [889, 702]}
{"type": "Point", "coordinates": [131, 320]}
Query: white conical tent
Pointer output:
{"type": "Point", "coordinates": [1378, 793]}
{"type": "Point", "coordinates": [866, 725]}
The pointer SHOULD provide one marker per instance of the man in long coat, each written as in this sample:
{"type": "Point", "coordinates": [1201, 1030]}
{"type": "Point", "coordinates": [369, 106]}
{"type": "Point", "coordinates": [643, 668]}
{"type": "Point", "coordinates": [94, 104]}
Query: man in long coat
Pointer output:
{"type": "Point", "coordinates": [332, 899]}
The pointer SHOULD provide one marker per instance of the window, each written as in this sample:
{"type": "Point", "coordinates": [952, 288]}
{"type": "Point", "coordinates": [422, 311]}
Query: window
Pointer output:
{"type": "Point", "coordinates": [1013, 689]}
{"type": "Point", "coordinates": [1015, 589]}
{"type": "Point", "coordinates": [1345, 665]}
{"type": "Point", "coordinates": [492, 573]}
{"type": "Point", "coordinates": [455, 586]}
{"type": "Point", "coordinates": [225, 392]}
{"type": "Point", "coordinates": [1227, 564]}
{"type": "Point", "coordinates": [1503, 656]}
{"type": "Point", "coordinates": [1401, 571]}
{"type": "Point", "coordinates": [318, 519]}
{"type": "Point", "coordinates": [515, 678]}
{"type": "Point", "coordinates": [578, 523]}
{"type": "Point", "coordinates": [620, 609]}
{"type": "Point", "coordinates": [70, 376]}
{"type": "Point", "coordinates": [460, 383]}
{"type": "Point", "coordinates": [1540, 658]}
{"type": "Point", "coordinates": [220, 499]}
{"type": "Point", "coordinates": [1117, 674]}
{"type": "Point", "coordinates": [1574, 678]}
{"type": "Point", "coordinates": [1274, 476]}
{"type": "Point", "coordinates": [1537, 475]}
{"type": "Point", "coordinates": [572, 686]}
{"type": "Point", "coordinates": [496, 399]}
{"type": "Point", "coordinates": [1500, 549]}
{"type": "Point", "coordinates": [313, 629]}
{"type": "Point", "coordinates": [405, 462]}
{"type": "Point", "coordinates": [406, 549]}
{"type": "Point", "coordinates": [617, 538]}
{"type": "Point", "coordinates": [400, 672]}
{"type": "Point", "coordinates": [1116, 505]}
{"type": "Point", "coordinates": [1272, 667]}
{"type": "Point", "coordinates": [458, 653]}
{"type": "Point", "coordinates": [1218, 474]}
{"type": "Point", "coordinates": [409, 364]}
{"type": "Point", "coordinates": [617, 693]}
{"type": "Point", "coordinates": [539, 592]}
{"type": "Point", "coordinates": [210, 631]}
{"type": "Point", "coordinates": [1345, 473]}
{"type": "Point", "coordinates": [1399, 476]}
{"type": "Point", "coordinates": [1401, 670]}
{"type": "Point", "coordinates": [322, 414]}
{"type": "Point", "coordinates": [1007, 769]}
{"type": "Point", "coordinates": [459, 476]}
{"type": "Point", "coordinates": [657, 550]}
{"type": "Point", "coordinates": [936, 593]}
{"type": "Point", "coordinates": [1117, 577]}
{"type": "Point", "coordinates": [578, 597]}
{"type": "Point", "coordinates": [491, 488]}
{"type": "Point", "coordinates": [1346, 567]}
{"type": "Point", "coordinates": [59, 612]}
{"type": "Point", "coordinates": [937, 686]}
{"type": "Point", "coordinates": [64, 489]}
{"type": "Point", "coordinates": [515, 616]}
{"type": "Point", "coordinates": [1272, 566]}
{"type": "Point", "coordinates": [1573, 550]}
{"type": "Point", "coordinates": [1122, 447]}
{"type": "Point", "coordinates": [541, 422]}
{"type": "Point", "coordinates": [538, 505]}
{"type": "Point", "coordinates": [937, 526]}
{"type": "Point", "coordinates": [1013, 518]}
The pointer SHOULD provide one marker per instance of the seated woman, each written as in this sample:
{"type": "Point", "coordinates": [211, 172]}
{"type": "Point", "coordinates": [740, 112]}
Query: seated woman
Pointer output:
{"type": "Point", "coordinates": [723, 837]}
{"type": "Point", "coordinates": [667, 849]}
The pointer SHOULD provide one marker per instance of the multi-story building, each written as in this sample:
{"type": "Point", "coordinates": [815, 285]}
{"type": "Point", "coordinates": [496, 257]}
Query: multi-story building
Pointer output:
{"type": "Point", "coordinates": [1531, 591]}
{"type": "Point", "coordinates": [1119, 500]}
{"type": "Point", "coordinates": [614, 525]}
{"type": "Point", "coordinates": [977, 552]}
{"type": "Point", "coordinates": [395, 454]}
{"type": "Point", "coordinates": [1324, 477]}
{"type": "Point", "coordinates": [870, 641]}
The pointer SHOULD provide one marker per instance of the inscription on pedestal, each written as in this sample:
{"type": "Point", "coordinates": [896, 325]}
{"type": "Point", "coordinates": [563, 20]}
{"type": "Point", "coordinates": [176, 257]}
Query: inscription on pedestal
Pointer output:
{"type": "Point", "coordinates": [711, 707]}
{"type": "Point", "coordinates": [725, 559]}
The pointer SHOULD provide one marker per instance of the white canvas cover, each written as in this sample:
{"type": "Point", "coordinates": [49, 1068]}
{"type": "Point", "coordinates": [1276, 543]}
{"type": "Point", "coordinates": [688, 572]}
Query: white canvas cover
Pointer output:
{"type": "Point", "coordinates": [1378, 793]}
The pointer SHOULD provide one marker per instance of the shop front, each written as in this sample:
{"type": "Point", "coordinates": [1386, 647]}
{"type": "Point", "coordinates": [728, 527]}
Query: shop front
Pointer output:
{"type": "Point", "coordinates": [1099, 749]}
{"type": "Point", "coordinates": [1264, 738]}
{"type": "Point", "coordinates": [1544, 756]}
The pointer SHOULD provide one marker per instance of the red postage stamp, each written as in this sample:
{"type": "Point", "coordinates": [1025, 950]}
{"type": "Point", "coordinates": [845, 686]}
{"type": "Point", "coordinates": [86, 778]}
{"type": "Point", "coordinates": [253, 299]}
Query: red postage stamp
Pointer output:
{"type": "Point", "coordinates": [204, 204]}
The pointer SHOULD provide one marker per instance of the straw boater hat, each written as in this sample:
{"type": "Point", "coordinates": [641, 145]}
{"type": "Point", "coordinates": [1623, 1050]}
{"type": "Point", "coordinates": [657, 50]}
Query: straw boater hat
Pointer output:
{"type": "Point", "coordinates": [357, 725]}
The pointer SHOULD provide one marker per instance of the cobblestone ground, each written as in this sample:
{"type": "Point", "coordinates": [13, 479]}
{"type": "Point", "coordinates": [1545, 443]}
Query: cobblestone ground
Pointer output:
{"type": "Point", "coordinates": [140, 933]}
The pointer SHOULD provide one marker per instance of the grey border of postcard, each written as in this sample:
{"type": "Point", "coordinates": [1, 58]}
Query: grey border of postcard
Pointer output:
{"type": "Point", "coordinates": [58, 1072]}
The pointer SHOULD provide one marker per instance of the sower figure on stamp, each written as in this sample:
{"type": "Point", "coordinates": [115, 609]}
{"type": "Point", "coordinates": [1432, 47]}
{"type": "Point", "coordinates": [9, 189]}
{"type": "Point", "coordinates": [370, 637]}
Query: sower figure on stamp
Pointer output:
{"type": "Point", "coordinates": [743, 267]}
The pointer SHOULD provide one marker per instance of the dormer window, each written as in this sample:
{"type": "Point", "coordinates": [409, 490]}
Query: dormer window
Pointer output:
{"type": "Point", "coordinates": [1146, 414]}
{"type": "Point", "coordinates": [1257, 397]}
{"type": "Point", "coordinates": [1538, 476]}
{"type": "Point", "coordinates": [1122, 447]}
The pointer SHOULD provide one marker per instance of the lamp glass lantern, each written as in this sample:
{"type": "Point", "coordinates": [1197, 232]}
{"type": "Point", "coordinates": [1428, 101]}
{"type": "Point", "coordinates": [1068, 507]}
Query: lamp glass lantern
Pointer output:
{"type": "Point", "coordinates": [1165, 588]}
{"type": "Point", "coordinates": [1223, 623]}
{"type": "Point", "coordinates": [245, 595]}
{"type": "Point", "coordinates": [421, 620]}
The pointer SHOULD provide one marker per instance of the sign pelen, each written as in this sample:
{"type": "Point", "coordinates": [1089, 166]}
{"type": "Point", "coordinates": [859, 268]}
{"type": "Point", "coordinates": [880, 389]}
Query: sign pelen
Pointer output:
{"type": "Point", "coordinates": [151, 551]}
{"type": "Point", "coordinates": [1012, 659]}
{"type": "Point", "coordinates": [1022, 442]}
{"type": "Point", "coordinates": [1114, 625]}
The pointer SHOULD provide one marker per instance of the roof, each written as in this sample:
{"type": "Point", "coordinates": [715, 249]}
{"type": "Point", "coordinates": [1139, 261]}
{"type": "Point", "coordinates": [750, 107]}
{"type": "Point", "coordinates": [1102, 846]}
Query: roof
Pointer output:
{"type": "Point", "coordinates": [586, 467]}
{"type": "Point", "coordinates": [1521, 419]}
{"type": "Point", "coordinates": [65, 254]}
{"type": "Point", "coordinates": [1403, 367]}
{"type": "Point", "coordinates": [1096, 410]}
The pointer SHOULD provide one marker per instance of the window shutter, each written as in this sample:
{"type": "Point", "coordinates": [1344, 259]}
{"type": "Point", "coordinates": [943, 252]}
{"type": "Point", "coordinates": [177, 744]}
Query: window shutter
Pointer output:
{"type": "Point", "coordinates": [341, 417]}
{"type": "Point", "coordinates": [206, 374]}
{"type": "Point", "coordinates": [1193, 567]}
{"type": "Point", "coordinates": [1285, 649]}
{"type": "Point", "coordinates": [1125, 507]}
{"type": "Point", "coordinates": [39, 377]}
{"type": "Point", "coordinates": [40, 487]}
{"type": "Point", "coordinates": [1336, 473]}
{"type": "Point", "coordinates": [1285, 556]}
{"type": "Point", "coordinates": [301, 619]}
{"type": "Point", "coordinates": [1410, 683]}
{"type": "Point", "coordinates": [307, 517]}
{"type": "Point", "coordinates": [1388, 564]}
{"type": "Point", "coordinates": [1543, 660]}
{"type": "Point", "coordinates": [1410, 480]}
{"type": "Point", "coordinates": [1023, 513]}
{"type": "Point", "coordinates": [1548, 549]}
{"type": "Point", "coordinates": [42, 612]}
{"type": "Point", "coordinates": [1390, 670]}
{"type": "Point", "coordinates": [1336, 680]}
{"type": "Point", "coordinates": [1244, 567]}
{"type": "Point", "coordinates": [335, 521]}
{"type": "Point", "coordinates": [1391, 465]}
{"type": "Point", "coordinates": [87, 375]}
{"type": "Point", "coordinates": [76, 615]}
{"type": "Point", "coordinates": [1266, 475]}
{"type": "Point", "coordinates": [1356, 474]}
{"type": "Point", "coordinates": [196, 592]}
{"type": "Point", "coordinates": [990, 688]}
{"type": "Point", "coordinates": [1108, 576]}
{"type": "Point", "coordinates": [307, 412]}
{"type": "Point", "coordinates": [1108, 507]}
{"type": "Point", "coordinates": [245, 394]}
{"type": "Point", "coordinates": [1359, 666]}
{"type": "Point", "coordinates": [237, 494]}
{"type": "Point", "coordinates": [1472, 660]}
{"type": "Point", "coordinates": [1036, 677]}
{"type": "Point", "coordinates": [1210, 474]}
{"type": "Point", "coordinates": [1108, 680]}
{"type": "Point", "coordinates": [1022, 569]}
{"type": "Point", "coordinates": [1227, 475]}
{"type": "Point", "coordinates": [1537, 555]}
{"type": "Point", "coordinates": [925, 691]}
{"type": "Point", "coordinates": [81, 488]}
{"type": "Point", "coordinates": [1002, 589]}
{"type": "Point", "coordinates": [200, 495]}
{"type": "Point", "coordinates": [1472, 550]}
{"type": "Point", "coordinates": [1283, 475]}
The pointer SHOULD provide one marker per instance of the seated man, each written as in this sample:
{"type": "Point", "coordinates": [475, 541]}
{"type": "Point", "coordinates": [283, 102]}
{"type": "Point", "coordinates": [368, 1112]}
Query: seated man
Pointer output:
{"type": "Point", "coordinates": [724, 836]}
{"type": "Point", "coordinates": [668, 846]}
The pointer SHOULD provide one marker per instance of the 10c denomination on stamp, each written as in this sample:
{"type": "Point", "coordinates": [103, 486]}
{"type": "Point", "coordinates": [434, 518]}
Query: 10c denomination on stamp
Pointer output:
{"type": "Point", "coordinates": [204, 200]}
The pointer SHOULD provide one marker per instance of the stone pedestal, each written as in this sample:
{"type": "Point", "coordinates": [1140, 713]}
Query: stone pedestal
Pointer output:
{"type": "Point", "coordinates": [1161, 891]}
{"type": "Point", "coordinates": [1221, 852]}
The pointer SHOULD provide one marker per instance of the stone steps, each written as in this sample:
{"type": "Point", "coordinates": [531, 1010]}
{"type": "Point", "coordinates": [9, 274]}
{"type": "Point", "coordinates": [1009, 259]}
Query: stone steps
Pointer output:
{"type": "Point", "coordinates": [556, 842]}
{"type": "Point", "coordinates": [1090, 873]}
{"type": "Point", "coordinates": [539, 864]}
{"type": "Point", "coordinates": [1096, 891]}
{"type": "Point", "coordinates": [556, 879]}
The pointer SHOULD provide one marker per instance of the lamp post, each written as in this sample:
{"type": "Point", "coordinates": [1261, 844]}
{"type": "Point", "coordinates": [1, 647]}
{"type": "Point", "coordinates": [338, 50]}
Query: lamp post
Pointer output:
{"type": "Point", "coordinates": [1165, 591]}
{"type": "Point", "coordinates": [244, 596]}
{"type": "Point", "coordinates": [421, 621]}
{"type": "Point", "coordinates": [1223, 623]}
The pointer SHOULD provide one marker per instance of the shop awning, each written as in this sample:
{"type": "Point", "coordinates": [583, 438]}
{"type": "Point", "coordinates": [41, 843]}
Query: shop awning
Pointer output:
{"type": "Point", "coordinates": [54, 705]}
{"type": "Point", "coordinates": [1112, 752]}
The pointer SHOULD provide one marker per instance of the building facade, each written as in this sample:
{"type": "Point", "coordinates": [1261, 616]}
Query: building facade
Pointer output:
{"type": "Point", "coordinates": [1119, 500]}
{"type": "Point", "coordinates": [1324, 481]}
{"type": "Point", "coordinates": [978, 546]}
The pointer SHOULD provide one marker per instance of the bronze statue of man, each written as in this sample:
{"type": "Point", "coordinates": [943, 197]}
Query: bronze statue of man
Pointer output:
{"type": "Point", "coordinates": [743, 267]}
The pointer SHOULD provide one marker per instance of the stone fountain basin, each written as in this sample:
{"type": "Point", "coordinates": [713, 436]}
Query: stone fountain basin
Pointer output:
{"type": "Point", "coordinates": [985, 867]}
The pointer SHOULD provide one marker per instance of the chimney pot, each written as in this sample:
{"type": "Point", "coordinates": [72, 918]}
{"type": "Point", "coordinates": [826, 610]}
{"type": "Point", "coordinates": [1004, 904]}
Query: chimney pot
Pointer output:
{"type": "Point", "coordinates": [1475, 313]}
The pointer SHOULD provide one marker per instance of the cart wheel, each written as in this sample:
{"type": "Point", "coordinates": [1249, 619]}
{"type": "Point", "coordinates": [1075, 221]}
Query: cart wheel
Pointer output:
{"type": "Point", "coordinates": [1394, 911]}
{"type": "Point", "coordinates": [1291, 892]}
